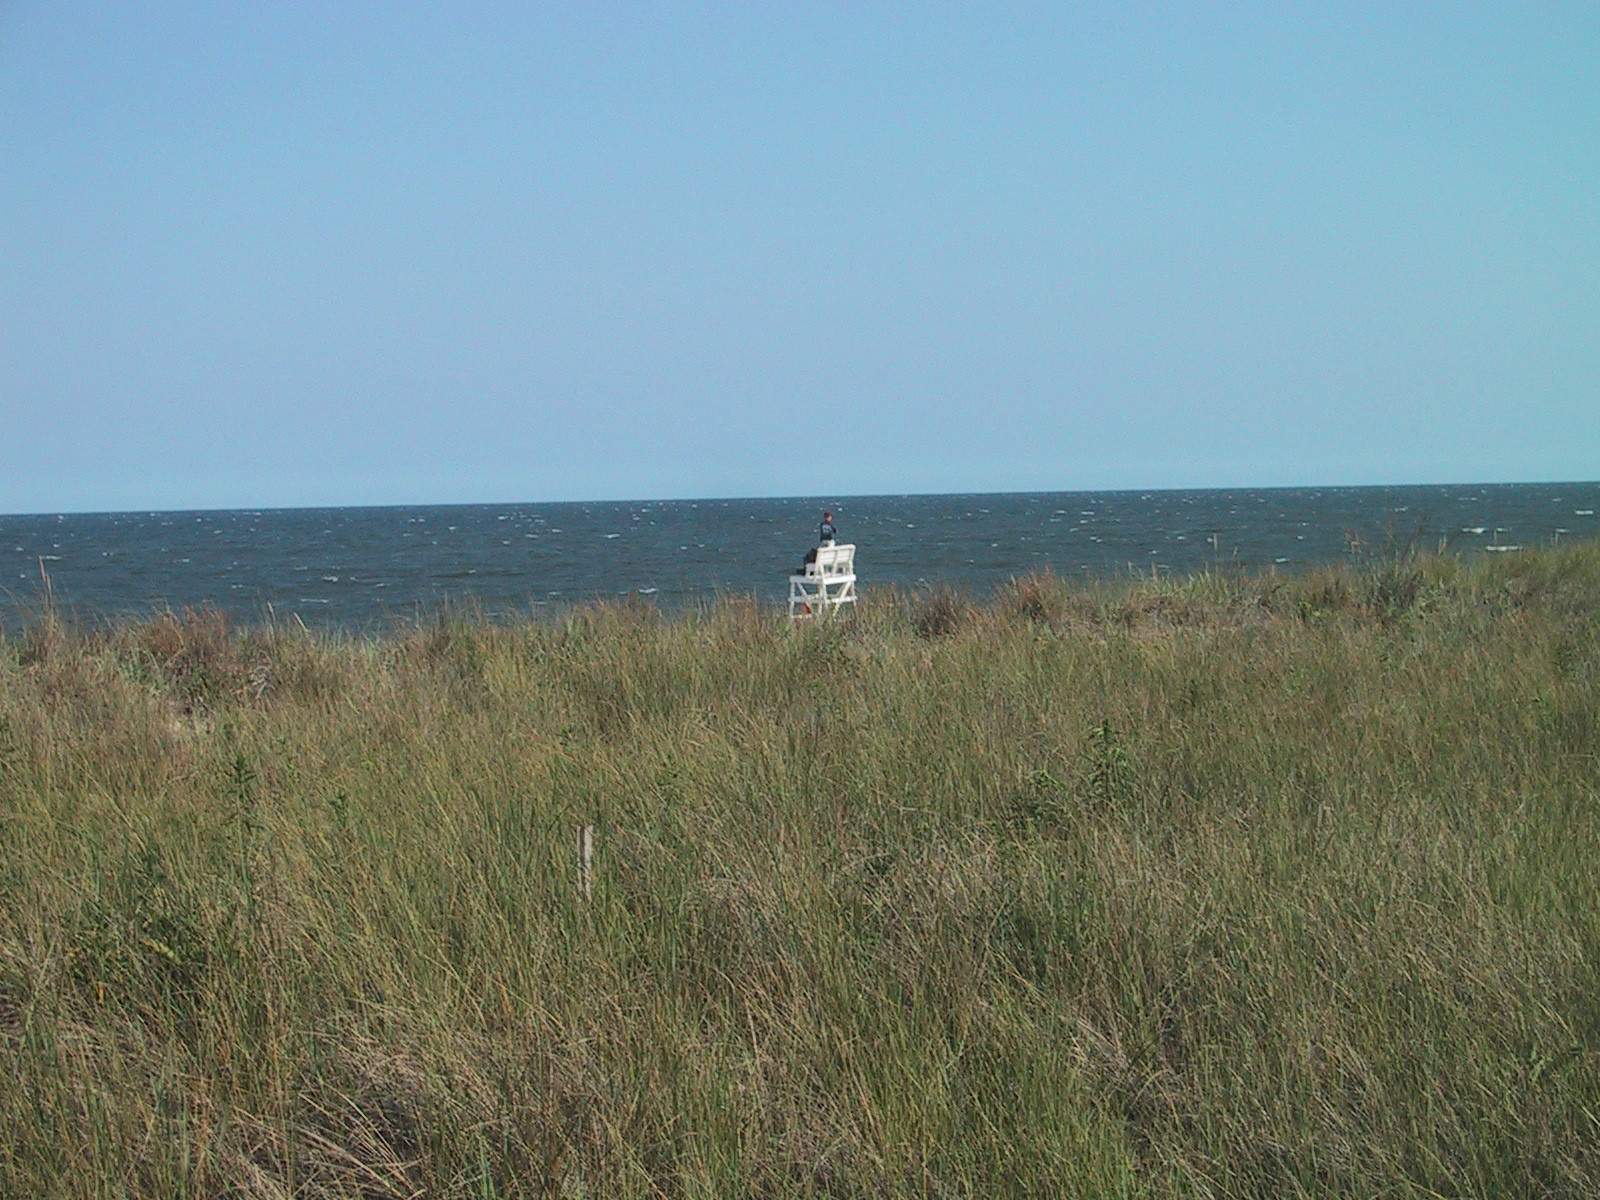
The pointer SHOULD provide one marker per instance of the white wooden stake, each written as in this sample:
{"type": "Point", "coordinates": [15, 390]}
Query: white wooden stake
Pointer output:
{"type": "Point", "coordinates": [586, 861]}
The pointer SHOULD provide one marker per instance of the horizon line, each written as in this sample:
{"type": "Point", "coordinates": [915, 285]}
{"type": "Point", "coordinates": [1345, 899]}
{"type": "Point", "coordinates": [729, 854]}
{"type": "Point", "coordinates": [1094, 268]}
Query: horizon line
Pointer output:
{"type": "Point", "coordinates": [838, 497]}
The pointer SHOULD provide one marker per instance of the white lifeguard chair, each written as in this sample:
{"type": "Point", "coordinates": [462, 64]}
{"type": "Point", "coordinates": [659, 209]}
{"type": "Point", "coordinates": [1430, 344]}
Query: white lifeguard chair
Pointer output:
{"type": "Point", "coordinates": [826, 585]}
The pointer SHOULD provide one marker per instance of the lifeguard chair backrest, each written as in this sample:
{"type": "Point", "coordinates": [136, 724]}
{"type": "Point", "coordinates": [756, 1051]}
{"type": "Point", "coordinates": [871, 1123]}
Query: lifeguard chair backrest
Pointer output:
{"type": "Point", "coordinates": [836, 560]}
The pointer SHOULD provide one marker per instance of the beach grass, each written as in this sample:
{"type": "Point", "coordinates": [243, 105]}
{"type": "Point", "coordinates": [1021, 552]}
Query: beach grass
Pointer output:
{"type": "Point", "coordinates": [1230, 885]}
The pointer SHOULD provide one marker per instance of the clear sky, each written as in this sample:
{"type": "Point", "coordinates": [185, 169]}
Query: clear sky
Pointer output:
{"type": "Point", "coordinates": [273, 254]}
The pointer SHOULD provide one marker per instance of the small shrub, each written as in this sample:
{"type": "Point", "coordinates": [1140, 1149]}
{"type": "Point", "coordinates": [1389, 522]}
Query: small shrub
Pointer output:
{"type": "Point", "coordinates": [1043, 598]}
{"type": "Point", "coordinates": [1324, 591]}
{"type": "Point", "coordinates": [1107, 770]}
{"type": "Point", "coordinates": [1035, 597]}
{"type": "Point", "coordinates": [197, 656]}
{"type": "Point", "coordinates": [941, 613]}
{"type": "Point", "coordinates": [1395, 587]}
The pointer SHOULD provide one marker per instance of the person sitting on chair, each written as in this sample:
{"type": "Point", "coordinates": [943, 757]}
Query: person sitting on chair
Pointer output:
{"type": "Point", "coordinates": [827, 533]}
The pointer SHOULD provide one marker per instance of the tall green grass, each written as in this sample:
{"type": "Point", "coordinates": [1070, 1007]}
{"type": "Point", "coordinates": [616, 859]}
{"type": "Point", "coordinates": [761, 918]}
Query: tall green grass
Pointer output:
{"type": "Point", "coordinates": [1225, 886]}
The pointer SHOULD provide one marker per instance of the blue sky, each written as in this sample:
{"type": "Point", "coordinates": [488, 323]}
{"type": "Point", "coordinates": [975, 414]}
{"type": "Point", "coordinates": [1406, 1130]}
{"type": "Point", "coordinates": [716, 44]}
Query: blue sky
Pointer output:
{"type": "Point", "coordinates": [341, 254]}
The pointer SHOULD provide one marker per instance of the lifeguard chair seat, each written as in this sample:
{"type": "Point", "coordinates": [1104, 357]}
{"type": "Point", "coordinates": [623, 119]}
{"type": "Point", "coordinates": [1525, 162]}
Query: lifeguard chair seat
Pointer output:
{"type": "Point", "coordinates": [826, 585]}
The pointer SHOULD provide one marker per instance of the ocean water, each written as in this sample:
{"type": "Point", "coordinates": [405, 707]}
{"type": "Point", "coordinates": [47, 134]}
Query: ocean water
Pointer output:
{"type": "Point", "coordinates": [367, 568]}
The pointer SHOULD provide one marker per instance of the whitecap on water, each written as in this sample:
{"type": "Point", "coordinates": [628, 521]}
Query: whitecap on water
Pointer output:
{"type": "Point", "coordinates": [330, 579]}
{"type": "Point", "coordinates": [1583, 512]}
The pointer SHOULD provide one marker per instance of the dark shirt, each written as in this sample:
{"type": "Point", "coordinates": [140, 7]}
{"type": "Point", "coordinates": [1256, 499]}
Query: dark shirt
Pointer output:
{"type": "Point", "coordinates": [827, 532]}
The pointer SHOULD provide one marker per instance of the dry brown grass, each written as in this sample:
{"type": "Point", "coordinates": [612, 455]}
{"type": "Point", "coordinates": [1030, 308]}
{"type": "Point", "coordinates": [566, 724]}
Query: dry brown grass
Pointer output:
{"type": "Point", "coordinates": [1231, 885]}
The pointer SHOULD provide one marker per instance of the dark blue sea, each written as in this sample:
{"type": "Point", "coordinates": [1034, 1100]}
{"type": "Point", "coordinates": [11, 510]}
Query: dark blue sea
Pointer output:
{"type": "Point", "coordinates": [366, 569]}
